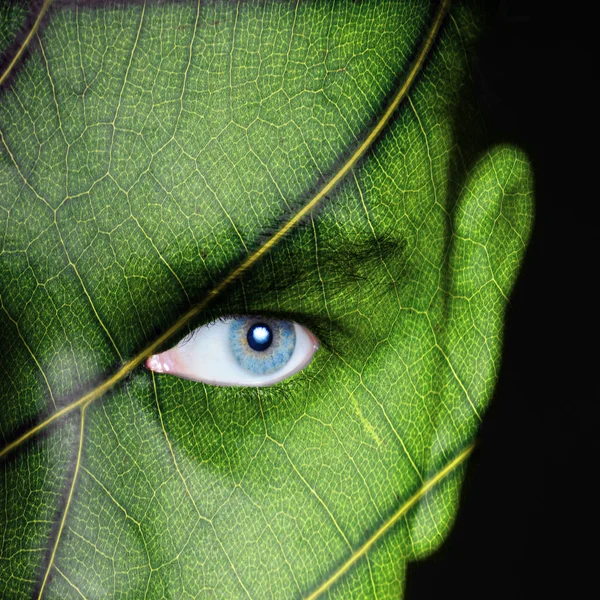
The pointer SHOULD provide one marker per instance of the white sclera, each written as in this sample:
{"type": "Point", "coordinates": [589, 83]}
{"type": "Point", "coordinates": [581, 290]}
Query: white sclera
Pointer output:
{"type": "Point", "coordinates": [205, 355]}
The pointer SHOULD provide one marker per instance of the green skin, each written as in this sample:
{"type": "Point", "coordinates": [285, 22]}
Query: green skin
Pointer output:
{"type": "Point", "coordinates": [145, 152]}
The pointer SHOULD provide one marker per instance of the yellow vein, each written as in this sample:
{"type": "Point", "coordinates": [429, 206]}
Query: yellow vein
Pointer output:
{"type": "Point", "coordinates": [26, 41]}
{"type": "Point", "coordinates": [69, 582]}
{"type": "Point", "coordinates": [237, 11]}
{"type": "Point", "coordinates": [312, 491]}
{"type": "Point", "coordinates": [115, 118]}
{"type": "Point", "coordinates": [372, 581]}
{"type": "Point", "coordinates": [183, 480]}
{"type": "Point", "coordinates": [187, 489]}
{"type": "Point", "coordinates": [31, 353]}
{"type": "Point", "coordinates": [21, 175]}
{"type": "Point", "coordinates": [85, 291]}
{"type": "Point", "coordinates": [429, 158]}
{"type": "Point", "coordinates": [362, 551]}
{"type": "Point", "coordinates": [71, 263]}
{"type": "Point", "coordinates": [67, 505]}
{"type": "Point", "coordinates": [137, 360]}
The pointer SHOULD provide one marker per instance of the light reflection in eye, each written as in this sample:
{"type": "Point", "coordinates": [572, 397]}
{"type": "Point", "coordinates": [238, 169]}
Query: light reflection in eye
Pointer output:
{"type": "Point", "coordinates": [239, 351]}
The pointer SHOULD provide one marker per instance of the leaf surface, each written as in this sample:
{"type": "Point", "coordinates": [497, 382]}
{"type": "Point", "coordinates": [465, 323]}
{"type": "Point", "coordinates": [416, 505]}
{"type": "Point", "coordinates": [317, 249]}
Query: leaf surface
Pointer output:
{"type": "Point", "coordinates": [145, 152]}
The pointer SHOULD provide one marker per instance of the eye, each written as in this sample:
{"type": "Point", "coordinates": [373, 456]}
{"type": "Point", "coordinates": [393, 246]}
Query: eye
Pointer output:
{"type": "Point", "coordinates": [245, 351]}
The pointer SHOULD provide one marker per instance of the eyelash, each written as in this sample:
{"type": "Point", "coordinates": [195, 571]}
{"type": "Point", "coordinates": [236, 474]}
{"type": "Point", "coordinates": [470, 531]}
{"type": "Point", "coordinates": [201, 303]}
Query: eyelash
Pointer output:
{"type": "Point", "coordinates": [328, 332]}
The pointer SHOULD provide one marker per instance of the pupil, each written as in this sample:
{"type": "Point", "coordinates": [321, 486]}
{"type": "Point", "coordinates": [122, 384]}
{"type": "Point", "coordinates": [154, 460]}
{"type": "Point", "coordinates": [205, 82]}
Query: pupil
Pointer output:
{"type": "Point", "coordinates": [259, 337]}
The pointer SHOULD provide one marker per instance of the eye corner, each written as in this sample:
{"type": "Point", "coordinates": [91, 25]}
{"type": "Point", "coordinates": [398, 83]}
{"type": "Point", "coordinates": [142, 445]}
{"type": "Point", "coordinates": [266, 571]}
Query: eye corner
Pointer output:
{"type": "Point", "coordinates": [161, 363]}
{"type": "Point", "coordinates": [316, 344]}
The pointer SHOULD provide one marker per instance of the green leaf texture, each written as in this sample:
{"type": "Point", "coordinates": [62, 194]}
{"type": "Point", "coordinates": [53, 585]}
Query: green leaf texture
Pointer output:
{"type": "Point", "coordinates": [146, 150]}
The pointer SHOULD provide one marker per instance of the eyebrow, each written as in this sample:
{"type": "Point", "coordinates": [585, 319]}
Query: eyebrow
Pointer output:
{"type": "Point", "coordinates": [302, 283]}
{"type": "Point", "coordinates": [299, 275]}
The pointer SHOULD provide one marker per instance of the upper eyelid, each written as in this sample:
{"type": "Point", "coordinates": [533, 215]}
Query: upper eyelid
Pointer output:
{"type": "Point", "coordinates": [326, 330]}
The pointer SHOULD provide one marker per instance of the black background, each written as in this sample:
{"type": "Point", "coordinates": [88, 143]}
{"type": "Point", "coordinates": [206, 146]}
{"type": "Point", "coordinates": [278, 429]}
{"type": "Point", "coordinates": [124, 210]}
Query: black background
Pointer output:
{"type": "Point", "coordinates": [526, 524]}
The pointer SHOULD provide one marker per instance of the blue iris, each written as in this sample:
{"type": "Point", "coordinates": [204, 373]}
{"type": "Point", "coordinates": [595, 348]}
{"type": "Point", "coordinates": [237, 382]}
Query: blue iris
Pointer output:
{"type": "Point", "coordinates": [262, 346]}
